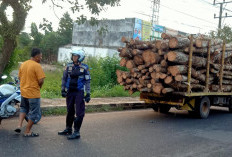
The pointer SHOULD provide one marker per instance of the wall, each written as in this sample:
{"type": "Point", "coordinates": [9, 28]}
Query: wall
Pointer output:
{"type": "Point", "coordinates": [64, 53]}
{"type": "Point", "coordinates": [87, 35]}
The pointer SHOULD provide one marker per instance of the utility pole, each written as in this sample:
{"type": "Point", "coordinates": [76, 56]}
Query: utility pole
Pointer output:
{"type": "Point", "coordinates": [220, 13]}
{"type": "Point", "coordinates": [155, 13]}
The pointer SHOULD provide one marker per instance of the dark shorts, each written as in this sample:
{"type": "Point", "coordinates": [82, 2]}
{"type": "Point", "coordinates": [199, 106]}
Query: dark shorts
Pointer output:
{"type": "Point", "coordinates": [32, 108]}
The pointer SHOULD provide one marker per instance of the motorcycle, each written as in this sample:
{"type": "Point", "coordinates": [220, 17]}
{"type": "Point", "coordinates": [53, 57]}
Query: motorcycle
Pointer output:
{"type": "Point", "coordinates": [10, 96]}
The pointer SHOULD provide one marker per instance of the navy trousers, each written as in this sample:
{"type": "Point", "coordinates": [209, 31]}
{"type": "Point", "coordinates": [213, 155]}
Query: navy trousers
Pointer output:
{"type": "Point", "coordinates": [75, 105]}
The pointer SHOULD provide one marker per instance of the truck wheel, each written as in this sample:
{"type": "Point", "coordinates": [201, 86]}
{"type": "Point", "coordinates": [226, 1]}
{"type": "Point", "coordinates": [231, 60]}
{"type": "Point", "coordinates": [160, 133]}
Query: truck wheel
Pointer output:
{"type": "Point", "coordinates": [164, 108]}
{"type": "Point", "coordinates": [230, 106]}
{"type": "Point", "coordinates": [155, 107]}
{"type": "Point", "coordinates": [203, 107]}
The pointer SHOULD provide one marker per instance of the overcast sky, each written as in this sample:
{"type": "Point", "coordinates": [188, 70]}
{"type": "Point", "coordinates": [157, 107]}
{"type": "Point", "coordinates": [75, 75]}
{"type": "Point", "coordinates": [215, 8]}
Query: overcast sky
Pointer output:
{"type": "Point", "coordinates": [191, 16]}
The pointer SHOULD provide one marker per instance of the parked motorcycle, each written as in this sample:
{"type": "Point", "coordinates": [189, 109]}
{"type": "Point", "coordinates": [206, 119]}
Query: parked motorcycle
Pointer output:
{"type": "Point", "coordinates": [10, 96]}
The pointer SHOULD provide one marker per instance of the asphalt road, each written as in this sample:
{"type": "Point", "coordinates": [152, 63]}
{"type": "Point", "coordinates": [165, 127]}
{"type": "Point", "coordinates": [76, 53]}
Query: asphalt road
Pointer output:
{"type": "Point", "coordinates": [137, 133]}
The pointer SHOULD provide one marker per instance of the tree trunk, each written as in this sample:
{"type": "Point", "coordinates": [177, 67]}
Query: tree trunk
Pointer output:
{"type": "Point", "coordinates": [183, 78]}
{"type": "Point", "coordinates": [178, 42]}
{"type": "Point", "coordinates": [150, 57]}
{"type": "Point", "coordinates": [138, 60]}
{"type": "Point", "coordinates": [225, 88]}
{"type": "Point", "coordinates": [181, 58]}
{"type": "Point", "coordinates": [167, 90]}
{"type": "Point", "coordinates": [8, 48]}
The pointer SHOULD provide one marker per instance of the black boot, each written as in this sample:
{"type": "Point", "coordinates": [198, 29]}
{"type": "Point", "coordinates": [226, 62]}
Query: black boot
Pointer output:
{"type": "Point", "coordinates": [67, 131]}
{"type": "Point", "coordinates": [69, 123]}
{"type": "Point", "coordinates": [77, 126]}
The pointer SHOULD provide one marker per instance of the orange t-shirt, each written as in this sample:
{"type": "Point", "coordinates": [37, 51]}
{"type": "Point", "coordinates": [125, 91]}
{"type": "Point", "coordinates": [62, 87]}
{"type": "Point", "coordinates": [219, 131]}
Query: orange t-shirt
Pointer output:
{"type": "Point", "coordinates": [30, 72]}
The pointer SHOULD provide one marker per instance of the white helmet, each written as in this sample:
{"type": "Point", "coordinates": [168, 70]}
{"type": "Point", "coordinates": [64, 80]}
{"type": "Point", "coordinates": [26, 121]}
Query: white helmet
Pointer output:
{"type": "Point", "coordinates": [80, 53]}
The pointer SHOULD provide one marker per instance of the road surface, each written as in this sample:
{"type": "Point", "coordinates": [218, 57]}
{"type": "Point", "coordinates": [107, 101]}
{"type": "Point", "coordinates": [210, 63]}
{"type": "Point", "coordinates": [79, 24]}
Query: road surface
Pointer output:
{"type": "Point", "coordinates": [134, 133]}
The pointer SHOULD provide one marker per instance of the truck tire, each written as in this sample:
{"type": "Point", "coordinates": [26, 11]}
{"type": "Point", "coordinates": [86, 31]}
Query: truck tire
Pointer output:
{"type": "Point", "coordinates": [230, 106]}
{"type": "Point", "coordinates": [203, 107]}
{"type": "Point", "coordinates": [155, 107]}
{"type": "Point", "coordinates": [164, 108]}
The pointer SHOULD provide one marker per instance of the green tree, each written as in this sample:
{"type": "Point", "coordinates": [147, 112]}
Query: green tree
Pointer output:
{"type": "Point", "coordinates": [49, 46]}
{"type": "Point", "coordinates": [24, 40]}
{"type": "Point", "coordinates": [36, 35]}
{"type": "Point", "coordinates": [225, 34]}
{"type": "Point", "coordinates": [65, 29]}
{"type": "Point", "coordinates": [9, 30]}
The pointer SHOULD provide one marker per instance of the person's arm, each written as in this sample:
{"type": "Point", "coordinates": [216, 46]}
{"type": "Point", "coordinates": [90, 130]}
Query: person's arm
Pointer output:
{"type": "Point", "coordinates": [64, 78]}
{"type": "Point", "coordinates": [41, 81]}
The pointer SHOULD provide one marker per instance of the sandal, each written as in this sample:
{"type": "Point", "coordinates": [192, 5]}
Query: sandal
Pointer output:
{"type": "Point", "coordinates": [17, 130]}
{"type": "Point", "coordinates": [31, 135]}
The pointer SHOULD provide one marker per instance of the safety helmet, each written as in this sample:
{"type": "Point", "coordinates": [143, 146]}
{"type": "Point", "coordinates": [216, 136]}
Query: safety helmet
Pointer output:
{"type": "Point", "coordinates": [80, 53]}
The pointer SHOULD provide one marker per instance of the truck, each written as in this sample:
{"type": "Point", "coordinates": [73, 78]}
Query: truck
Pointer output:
{"type": "Point", "coordinates": [197, 103]}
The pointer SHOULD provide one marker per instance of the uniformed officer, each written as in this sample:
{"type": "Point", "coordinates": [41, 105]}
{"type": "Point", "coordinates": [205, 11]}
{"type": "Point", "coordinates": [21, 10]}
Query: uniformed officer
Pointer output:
{"type": "Point", "coordinates": [76, 79]}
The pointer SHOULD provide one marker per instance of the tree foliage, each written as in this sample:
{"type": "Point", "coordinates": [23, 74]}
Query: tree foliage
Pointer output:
{"type": "Point", "coordinates": [9, 30]}
{"type": "Point", "coordinates": [225, 34]}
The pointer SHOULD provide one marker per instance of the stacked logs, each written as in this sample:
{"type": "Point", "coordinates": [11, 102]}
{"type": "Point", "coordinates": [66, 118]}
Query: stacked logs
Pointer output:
{"type": "Point", "coordinates": [161, 66]}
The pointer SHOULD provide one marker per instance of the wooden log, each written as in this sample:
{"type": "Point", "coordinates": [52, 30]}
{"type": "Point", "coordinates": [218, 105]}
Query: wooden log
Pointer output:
{"type": "Point", "coordinates": [125, 40]}
{"type": "Point", "coordinates": [133, 70]}
{"type": "Point", "coordinates": [130, 64]}
{"type": "Point", "coordinates": [118, 73]}
{"type": "Point", "coordinates": [153, 75]}
{"type": "Point", "coordinates": [178, 42]}
{"type": "Point", "coordinates": [181, 58]}
{"type": "Point", "coordinates": [164, 63]}
{"type": "Point", "coordinates": [125, 52]}
{"type": "Point", "coordinates": [136, 52]}
{"type": "Point", "coordinates": [162, 75]}
{"type": "Point", "coordinates": [145, 90]}
{"type": "Point", "coordinates": [125, 75]}
{"type": "Point", "coordinates": [166, 36]}
{"type": "Point", "coordinates": [146, 77]}
{"type": "Point", "coordinates": [168, 80]}
{"type": "Point", "coordinates": [183, 78]}
{"type": "Point", "coordinates": [138, 60]}
{"type": "Point", "coordinates": [157, 89]}
{"type": "Point", "coordinates": [142, 47]}
{"type": "Point", "coordinates": [167, 90]}
{"type": "Point", "coordinates": [184, 86]}
{"type": "Point", "coordinates": [129, 80]}
{"type": "Point", "coordinates": [143, 71]}
{"type": "Point", "coordinates": [226, 66]}
{"type": "Point", "coordinates": [227, 82]}
{"type": "Point", "coordinates": [123, 62]}
{"type": "Point", "coordinates": [141, 67]}
{"type": "Point", "coordinates": [150, 57]}
{"type": "Point", "coordinates": [136, 42]}
{"type": "Point", "coordinates": [225, 88]}
{"type": "Point", "coordinates": [182, 69]}
{"type": "Point", "coordinates": [161, 44]}
{"type": "Point", "coordinates": [154, 81]}
{"type": "Point", "coordinates": [151, 69]}
{"type": "Point", "coordinates": [149, 85]}
{"type": "Point", "coordinates": [204, 43]}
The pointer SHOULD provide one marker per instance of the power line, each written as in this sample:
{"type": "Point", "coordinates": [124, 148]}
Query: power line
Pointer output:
{"type": "Point", "coordinates": [220, 12]}
{"type": "Point", "coordinates": [188, 14]}
{"type": "Point", "coordinates": [178, 22]}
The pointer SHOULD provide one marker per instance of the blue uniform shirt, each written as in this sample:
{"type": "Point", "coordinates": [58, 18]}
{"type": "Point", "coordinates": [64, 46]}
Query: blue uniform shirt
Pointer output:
{"type": "Point", "coordinates": [83, 81]}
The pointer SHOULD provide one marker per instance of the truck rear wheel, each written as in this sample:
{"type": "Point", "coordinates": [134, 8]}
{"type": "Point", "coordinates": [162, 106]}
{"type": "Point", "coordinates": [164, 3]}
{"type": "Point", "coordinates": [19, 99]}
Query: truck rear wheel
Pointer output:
{"type": "Point", "coordinates": [164, 108]}
{"type": "Point", "coordinates": [203, 107]}
{"type": "Point", "coordinates": [155, 107]}
{"type": "Point", "coordinates": [230, 106]}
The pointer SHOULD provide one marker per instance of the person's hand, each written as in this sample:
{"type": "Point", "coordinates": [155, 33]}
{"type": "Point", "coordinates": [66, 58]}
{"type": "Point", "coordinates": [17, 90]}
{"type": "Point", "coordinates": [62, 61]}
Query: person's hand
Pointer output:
{"type": "Point", "coordinates": [87, 97]}
{"type": "Point", "coordinates": [63, 93]}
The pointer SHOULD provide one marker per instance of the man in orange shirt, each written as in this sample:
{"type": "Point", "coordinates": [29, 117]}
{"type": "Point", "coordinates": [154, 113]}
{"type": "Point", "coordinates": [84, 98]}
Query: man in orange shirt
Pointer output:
{"type": "Point", "coordinates": [31, 78]}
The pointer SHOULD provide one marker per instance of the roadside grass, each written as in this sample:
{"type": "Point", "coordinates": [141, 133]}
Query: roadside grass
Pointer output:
{"type": "Point", "coordinates": [89, 109]}
{"type": "Point", "coordinates": [52, 87]}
